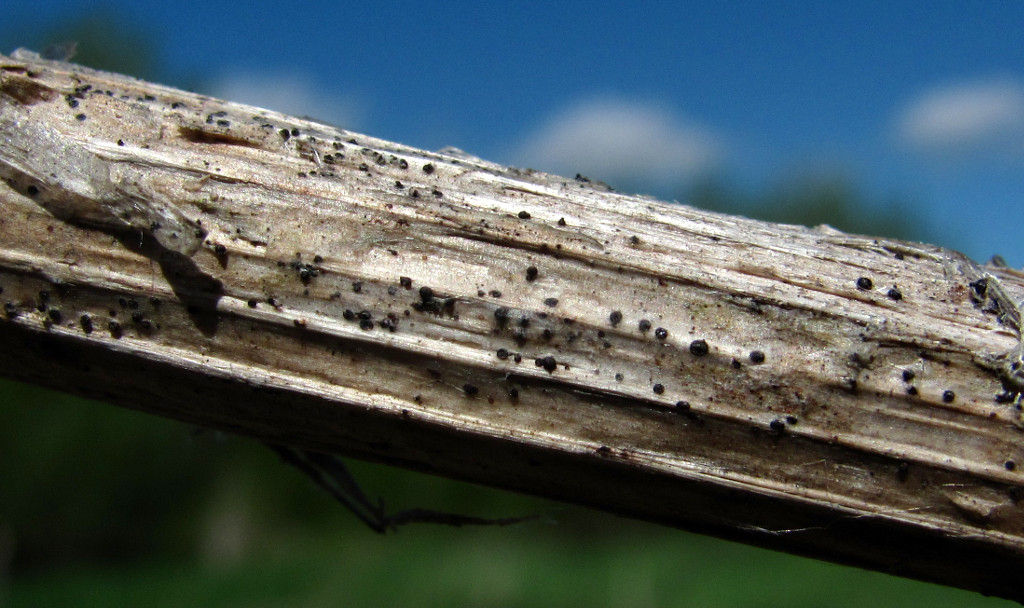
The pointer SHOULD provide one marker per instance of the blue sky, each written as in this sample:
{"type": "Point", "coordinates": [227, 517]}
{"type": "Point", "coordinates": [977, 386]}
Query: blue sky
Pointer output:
{"type": "Point", "coordinates": [921, 101]}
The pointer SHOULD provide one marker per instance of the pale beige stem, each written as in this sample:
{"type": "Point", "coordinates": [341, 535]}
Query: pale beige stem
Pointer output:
{"type": "Point", "coordinates": [827, 394]}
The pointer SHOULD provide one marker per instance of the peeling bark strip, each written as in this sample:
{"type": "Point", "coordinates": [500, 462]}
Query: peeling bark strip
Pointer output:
{"type": "Point", "coordinates": [845, 397]}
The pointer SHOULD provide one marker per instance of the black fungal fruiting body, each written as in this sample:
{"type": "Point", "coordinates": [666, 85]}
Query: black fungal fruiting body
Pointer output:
{"type": "Point", "coordinates": [699, 348]}
{"type": "Point", "coordinates": [548, 363]}
{"type": "Point", "coordinates": [658, 389]}
{"type": "Point", "coordinates": [615, 318]}
{"type": "Point", "coordinates": [661, 333]}
{"type": "Point", "coordinates": [864, 283]}
{"type": "Point", "coordinates": [531, 273]}
{"type": "Point", "coordinates": [644, 325]}
{"type": "Point", "coordinates": [501, 316]}
{"type": "Point", "coordinates": [756, 357]}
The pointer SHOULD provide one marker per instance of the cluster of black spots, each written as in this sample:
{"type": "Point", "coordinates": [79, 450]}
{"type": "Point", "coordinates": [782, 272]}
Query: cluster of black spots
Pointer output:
{"type": "Point", "coordinates": [470, 389]}
{"type": "Point", "coordinates": [432, 304]}
{"type": "Point", "coordinates": [501, 316]}
{"type": "Point", "coordinates": [894, 294]}
{"type": "Point", "coordinates": [86, 322]}
{"type": "Point", "coordinates": [524, 215]}
{"type": "Point", "coordinates": [390, 322]}
{"type": "Point", "coordinates": [661, 333]}
{"type": "Point", "coordinates": [551, 302]}
{"type": "Point", "coordinates": [428, 168]}
{"type": "Point", "coordinates": [699, 348]}
{"type": "Point", "coordinates": [1006, 397]}
{"type": "Point", "coordinates": [139, 319]}
{"type": "Point", "coordinates": [548, 363]}
{"type": "Point", "coordinates": [644, 326]}
{"type": "Point", "coordinates": [948, 396]}
{"type": "Point", "coordinates": [531, 273]}
{"type": "Point", "coordinates": [658, 389]}
{"type": "Point", "coordinates": [864, 283]}
{"type": "Point", "coordinates": [217, 117]}
{"type": "Point", "coordinates": [405, 282]}
{"type": "Point", "coordinates": [756, 357]}
{"type": "Point", "coordinates": [615, 318]}
{"type": "Point", "coordinates": [306, 271]}
{"type": "Point", "coordinates": [364, 317]}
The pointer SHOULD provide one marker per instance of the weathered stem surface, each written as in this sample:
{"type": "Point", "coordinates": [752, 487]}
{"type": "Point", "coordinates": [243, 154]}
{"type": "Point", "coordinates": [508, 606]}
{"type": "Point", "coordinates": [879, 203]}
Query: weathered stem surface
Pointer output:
{"type": "Point", "coordinates": [826, 394]}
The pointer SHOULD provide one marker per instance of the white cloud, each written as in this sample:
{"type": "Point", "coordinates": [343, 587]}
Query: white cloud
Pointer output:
{"type": "Point", "coordinates": [621, 142]}
{"type": "Point", "coordinates": [974, 118]}
{"type": "Point", "coordinates": [289, 93]}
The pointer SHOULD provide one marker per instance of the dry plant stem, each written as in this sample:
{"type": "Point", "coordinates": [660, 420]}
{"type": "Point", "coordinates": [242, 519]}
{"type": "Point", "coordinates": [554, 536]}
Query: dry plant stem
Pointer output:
{"type": "Point", "coordinates": [826, 394]}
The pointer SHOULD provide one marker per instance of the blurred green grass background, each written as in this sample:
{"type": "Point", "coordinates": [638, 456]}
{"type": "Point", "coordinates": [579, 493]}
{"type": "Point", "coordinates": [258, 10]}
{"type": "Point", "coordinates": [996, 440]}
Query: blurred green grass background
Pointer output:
{"type": "Point", "coordinates": [108, 507]}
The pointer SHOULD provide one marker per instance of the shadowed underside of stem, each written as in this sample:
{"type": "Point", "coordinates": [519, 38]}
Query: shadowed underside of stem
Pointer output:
{"type": "Point", "coordinates": [834, 395]}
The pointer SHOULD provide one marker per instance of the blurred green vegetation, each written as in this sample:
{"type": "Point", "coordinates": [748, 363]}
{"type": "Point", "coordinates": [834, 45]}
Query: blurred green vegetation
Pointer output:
{"type": "Point", "coordinates": [101, 506]}
{"type": "Point", "coordinates": [108, 507]}
{"type": "Point", "coordinates": [809, 199]}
